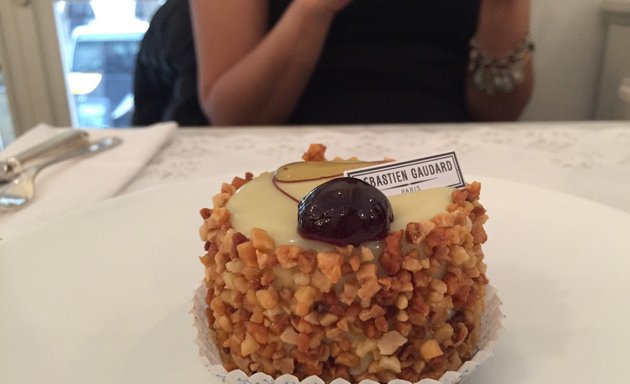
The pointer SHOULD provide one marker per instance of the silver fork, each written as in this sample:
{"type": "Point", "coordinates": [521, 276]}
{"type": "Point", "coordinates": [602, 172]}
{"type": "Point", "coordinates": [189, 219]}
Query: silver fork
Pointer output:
{"type": "Point", "coordinates": [11, 167]}
{"type": "Point", "coordinates": [21, 190]}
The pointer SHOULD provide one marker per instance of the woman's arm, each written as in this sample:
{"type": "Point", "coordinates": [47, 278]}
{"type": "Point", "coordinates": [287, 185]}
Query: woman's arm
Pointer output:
{"type": "Point", "coordinates": [248, 75]}
{"type": "Point", "coordinates": [503, 26]}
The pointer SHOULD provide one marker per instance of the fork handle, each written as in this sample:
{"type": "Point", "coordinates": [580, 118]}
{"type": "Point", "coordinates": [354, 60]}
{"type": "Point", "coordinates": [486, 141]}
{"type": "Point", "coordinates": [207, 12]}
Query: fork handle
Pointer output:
{"type": "Point", "coordinates": [93, 148]}
{"type": "Point", "coordinates": [12, 166]}
{"type": "Point", "coordinates": [50, 144]}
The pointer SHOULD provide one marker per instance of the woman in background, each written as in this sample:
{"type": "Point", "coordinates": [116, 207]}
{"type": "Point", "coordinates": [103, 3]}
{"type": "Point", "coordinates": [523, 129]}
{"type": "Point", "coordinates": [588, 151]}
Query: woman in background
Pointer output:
{"type": "Point", "coordinates": [363, 61]}
{"type": "Point", "coordinates": [165, 79]}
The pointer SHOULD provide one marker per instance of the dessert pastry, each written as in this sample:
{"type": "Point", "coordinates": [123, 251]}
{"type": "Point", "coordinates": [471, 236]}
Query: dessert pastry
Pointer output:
{"type": "Point", "coordinates": [308, 273]}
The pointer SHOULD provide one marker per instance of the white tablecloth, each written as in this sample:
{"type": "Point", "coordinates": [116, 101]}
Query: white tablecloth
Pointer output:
{"type": "Point", "coordinates": [81, 182]}
{"type": "Point", "coordinates": [586, 159]}
{"type": "Point", "coordinates": [78, 298]}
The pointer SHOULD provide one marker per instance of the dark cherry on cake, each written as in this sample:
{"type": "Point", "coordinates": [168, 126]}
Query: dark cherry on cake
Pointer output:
{"type": "Point", "coordinates": [344, 211]}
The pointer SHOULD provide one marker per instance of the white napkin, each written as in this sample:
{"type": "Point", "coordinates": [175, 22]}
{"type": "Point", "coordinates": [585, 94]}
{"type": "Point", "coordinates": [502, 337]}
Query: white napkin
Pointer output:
{"type": "Point", "coordinates": [80, 182]}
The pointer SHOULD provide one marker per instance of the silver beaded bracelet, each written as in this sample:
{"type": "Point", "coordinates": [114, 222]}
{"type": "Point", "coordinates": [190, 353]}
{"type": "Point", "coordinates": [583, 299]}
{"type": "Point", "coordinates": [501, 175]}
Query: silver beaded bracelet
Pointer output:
{"type": "Point", "coordinates": [493, 75]}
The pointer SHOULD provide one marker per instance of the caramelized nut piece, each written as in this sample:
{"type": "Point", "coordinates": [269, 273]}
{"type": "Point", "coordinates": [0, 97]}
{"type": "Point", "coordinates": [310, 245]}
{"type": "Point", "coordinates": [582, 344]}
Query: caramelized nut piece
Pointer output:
{"type": "Point", "coordinates": [289, 336]}
{"type": "Point", "coordinates": [461, 334]}
{"type": "Point", "coordinates": [402, 302]}
{"type": "Point", "coordinates": [444, 333]}
{"type": "Point", "coordinates": [365, 346]}
{"type": "Point", "coordinates": [305, 296]}
{"type": "Point", "coordinates": [321, 282]}
{"type": "Point", "coordinates": [306, 261]}
{"type": "Point", "coordinates": [238, 182]}
{"type": "Point", "coordinates": [315, 152]}
{"type": "Point", "coordinates": [402, 316]}
{"type": "Point", "coordinates": [390, 342]}
{"type": "Point", "coordinates": [416, 232]}
{"type": "Point", "coordinates": [430, 349]}
{"type": "Point", "coordinates": [366, 275]}
{"type": "Point", "coordinates": [218, 217]}
{"type": "Point", "coordinates": [261, 240]}
{"type": "Point", "coordinates": [285, 365]}
{"type": "Point", "coordinates": [343, 324]}
{"type": "Point", "coordinates": [203, 232]}
{"type": "Point", "coordinates": [288, 256]}
{"type": "Point", "coordinates": [205, 213]}
{"type": "Point", "coordinates": [259, 332]}
{"type": "Point", "coordinates": [249, 345]}
{"type": "Point", "coordinates": [330, 265]}
{"type": "Point", "coordinates": [366, 254]}
{"type": "Point", "coordinates": [349, 294]}
{"type": "Point", "coordinates": [247, 253]}
{"type": "Point", "coordinates": [411, 264]}
{"type": "Point", "coordinates": [301, 279]}
{"type": "Point", "coordinates": [391, 259]}
{"type": "Point", "coordinates": [438, 286]}
{"type": "Point", "coordinates": [444, 220]}
{"type": "Point", "coordinates": [371, 313]}
{"type": "Point", "coordinates": [381, 324]}
{"type": "Point", "coordinates": [219, 200]}
{"type": "Point", "coordinates": [328, 319]}
{"type": "Point", "coordinates": [228, 188]}
{"type": "Point", "coordinates": [266, 260]}
{"type": "Point", "coordinates": [355, 262]}
{"type": "Point", "coordinates": [348, 359]}
{"type": "Point", "coordinates": [268, 298]}
{"type": "Point", "coordinates": [391, 363]}
{"type": "Point", "coordinates": [459, 254]}
{"type": "Point", "coordinates": [235, 266]}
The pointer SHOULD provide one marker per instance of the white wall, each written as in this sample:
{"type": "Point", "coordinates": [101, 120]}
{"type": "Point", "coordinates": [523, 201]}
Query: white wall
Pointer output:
{"type": "Point", "coordinates": [569, 42]}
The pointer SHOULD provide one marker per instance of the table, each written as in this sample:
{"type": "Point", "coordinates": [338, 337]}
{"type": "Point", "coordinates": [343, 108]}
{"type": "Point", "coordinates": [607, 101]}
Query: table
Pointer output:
{"type": "Point", "coordinates": [586, 159]}
{"type": "Point", "coordinates": [553, 257]}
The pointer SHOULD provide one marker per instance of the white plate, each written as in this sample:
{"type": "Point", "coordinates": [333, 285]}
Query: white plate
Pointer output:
{"type": "Point", "coordinates": [103, 295]}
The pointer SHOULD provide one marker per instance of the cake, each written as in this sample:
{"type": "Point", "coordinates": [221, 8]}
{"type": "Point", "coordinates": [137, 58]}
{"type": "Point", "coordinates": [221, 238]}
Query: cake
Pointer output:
{"type": "Point", "coordinates": [402, 301]}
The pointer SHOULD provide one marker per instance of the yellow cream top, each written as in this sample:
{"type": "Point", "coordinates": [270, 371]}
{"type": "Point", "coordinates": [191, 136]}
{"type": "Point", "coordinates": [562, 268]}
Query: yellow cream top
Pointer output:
{"type": "Point", "coordinates": [262, 204]}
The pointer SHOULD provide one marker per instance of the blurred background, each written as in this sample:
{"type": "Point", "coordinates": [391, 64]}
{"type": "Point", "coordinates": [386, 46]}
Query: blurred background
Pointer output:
{"type": "Point", "coordinates": [96, 43]}
{"type": "Point", "coordinates": [71, 62]}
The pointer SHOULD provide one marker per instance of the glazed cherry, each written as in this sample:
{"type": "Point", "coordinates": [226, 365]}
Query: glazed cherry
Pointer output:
{"type": "Point", "coordinates": [344, 211]}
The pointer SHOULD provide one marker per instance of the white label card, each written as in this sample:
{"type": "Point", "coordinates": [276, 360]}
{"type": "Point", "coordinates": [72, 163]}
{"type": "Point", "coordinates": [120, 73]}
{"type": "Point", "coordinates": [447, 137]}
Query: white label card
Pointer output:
{"type": "Point", "coordinates": [412, 175]}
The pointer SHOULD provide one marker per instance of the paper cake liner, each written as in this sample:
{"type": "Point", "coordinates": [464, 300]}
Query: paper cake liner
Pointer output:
{"type": "Point", "coordinates": [490, 328]}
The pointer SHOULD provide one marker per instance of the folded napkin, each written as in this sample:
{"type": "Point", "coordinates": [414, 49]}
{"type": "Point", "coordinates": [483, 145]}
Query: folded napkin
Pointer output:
{"type": "Point", "coordinates": [80, 182]}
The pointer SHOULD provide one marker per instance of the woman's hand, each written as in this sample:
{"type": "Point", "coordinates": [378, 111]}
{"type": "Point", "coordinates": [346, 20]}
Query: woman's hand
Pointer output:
{"type": "Point", "coordinates": [249, 74]}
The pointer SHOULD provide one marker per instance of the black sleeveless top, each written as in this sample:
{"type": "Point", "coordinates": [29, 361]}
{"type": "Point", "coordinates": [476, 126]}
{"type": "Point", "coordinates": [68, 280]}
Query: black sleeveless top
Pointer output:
{"type": "Point", "coordinates": [390, 61]}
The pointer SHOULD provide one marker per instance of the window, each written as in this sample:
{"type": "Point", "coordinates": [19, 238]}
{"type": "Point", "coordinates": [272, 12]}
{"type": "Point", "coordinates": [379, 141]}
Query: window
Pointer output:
{"type": "Point", "coordinates": [6, 126]}
{"type": "Point", "coordinates": [39, 74]}
{"type": "Point", "coordinates": [101, 52]}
